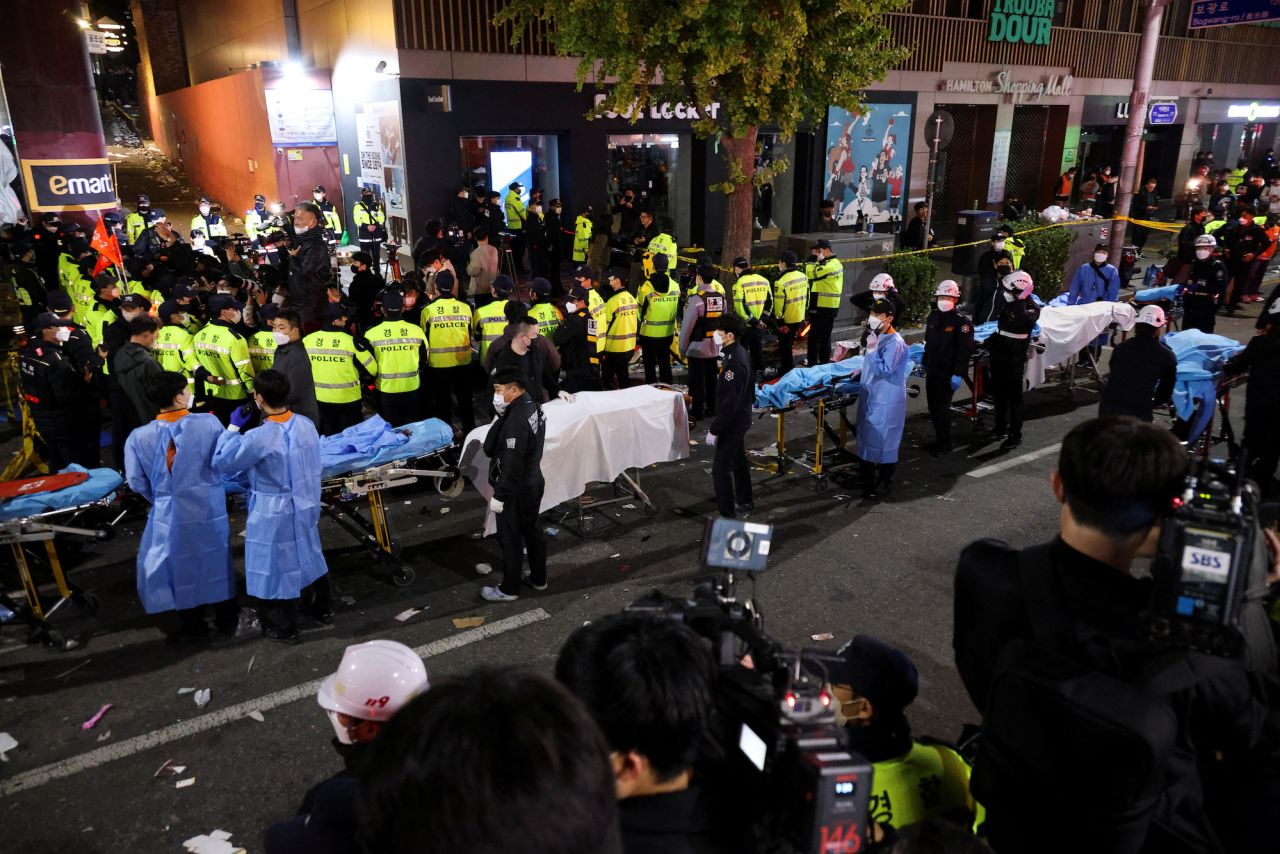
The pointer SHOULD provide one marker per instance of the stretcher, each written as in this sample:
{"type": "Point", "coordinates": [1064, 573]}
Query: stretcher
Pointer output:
{"type": "Point", "coordinates": [1201, 393]}
{"type": "Point", "coordinates": [595, 438]}
{"type": "Point", "coordinates": [41, 509]}
{"type": "Point", "coordinates": [360, 464]}
{"type": "Point", "coordinates": [1170, 298]}
{"type": "Point", "coordinates": [1066, 331]}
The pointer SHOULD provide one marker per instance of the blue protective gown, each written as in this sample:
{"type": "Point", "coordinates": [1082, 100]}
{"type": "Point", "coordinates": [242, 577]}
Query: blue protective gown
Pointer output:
{"type": "Point", "coordinates": [282, 542]}
{"type": "Point", "coordinates": [882, 400]}
{"type": "Point", "coordinates": [184, 559]}
{"type": "Point", "coordinates": [1092, 284]}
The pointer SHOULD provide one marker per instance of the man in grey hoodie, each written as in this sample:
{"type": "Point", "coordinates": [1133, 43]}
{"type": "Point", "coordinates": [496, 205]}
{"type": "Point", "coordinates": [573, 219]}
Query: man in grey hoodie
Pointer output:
{"type": "Point", "coordinates": [134, 365]}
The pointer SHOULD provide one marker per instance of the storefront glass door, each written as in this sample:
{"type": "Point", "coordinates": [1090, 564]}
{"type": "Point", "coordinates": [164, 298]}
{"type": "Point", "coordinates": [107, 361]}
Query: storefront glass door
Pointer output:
{"type": "Point", "coordinates": [649, 164]}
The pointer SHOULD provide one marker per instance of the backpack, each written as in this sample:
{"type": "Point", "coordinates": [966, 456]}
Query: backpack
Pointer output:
{"type": "Point", "coordinates": [1071, 750]}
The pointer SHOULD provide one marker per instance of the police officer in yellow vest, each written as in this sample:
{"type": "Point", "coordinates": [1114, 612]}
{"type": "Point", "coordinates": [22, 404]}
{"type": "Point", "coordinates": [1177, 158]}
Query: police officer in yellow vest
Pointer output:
{"type": "Point", "coordinates": [262, 341]}
{"type": "Point", "coordinates": [490, 319]}
{"type": "Point", "coordinates": [223, 356]}
{"type": "Point", "coordinates": [588, 280]}
{"type": "Point", "coordinates": [255, 219]}
{"type": "Point", "coordinates": [105, 308]}
{"type": "Point", "coordinates": [751, 300]}
{"type": "Point", "coordinates": [207, 221]}
{"type": "Point", "coordinates": [826, 289]}
{"type": "Point", "coordinates": [140, 220]}
{"type": "Point", "coordinates": [371, 225]}
{"type": "Point", "coordinates": [872, 684]}
{"type": "Point", "coordinates": [81, 288]}
{"type": "Point", "coordinates": [337, 366]}
{"type": "Point", "coordinates": [174, 349]}
{"type": "Point", "coordinates": [514, 210]}
{"type": "Point", "coordinates": [332, 220]}
{"type": "Point", "coordinates": [664, 244]}
{"type": "Point", "coordinates": [548, 316]}
{"type": "Point", "coordinates": [400, 349]}
{"type": "Point", "coordinates": [582, 236]}
{"type": "Point", "coordinates": [621, 323]}
{"type": "Point", "coordinates": [790, 302]}
{"type": "Point", "coordinates": [447, 324]}
{"type": "Point", "coordinates": [659, 302]}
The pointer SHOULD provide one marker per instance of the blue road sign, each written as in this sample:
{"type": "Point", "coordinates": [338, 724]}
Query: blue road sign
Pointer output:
{"type": "Point", "coordinates": [1163, 113]}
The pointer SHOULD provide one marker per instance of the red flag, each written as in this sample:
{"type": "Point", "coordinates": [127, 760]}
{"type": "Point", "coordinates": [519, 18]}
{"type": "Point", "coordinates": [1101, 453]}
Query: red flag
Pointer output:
{"type": "Point", "coordinates": [107, 247]}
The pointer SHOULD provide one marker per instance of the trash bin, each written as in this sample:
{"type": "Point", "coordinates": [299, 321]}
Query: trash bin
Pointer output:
{"type": "Point", "coordinates": [971, 226]}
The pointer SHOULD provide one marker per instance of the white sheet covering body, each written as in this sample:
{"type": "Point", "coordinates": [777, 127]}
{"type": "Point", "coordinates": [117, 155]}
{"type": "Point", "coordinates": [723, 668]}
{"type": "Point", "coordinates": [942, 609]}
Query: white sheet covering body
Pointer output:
{"type": "Point", "coordinates": [593, 440]}
{"type": "Point", "coordinates": [1066, 330]}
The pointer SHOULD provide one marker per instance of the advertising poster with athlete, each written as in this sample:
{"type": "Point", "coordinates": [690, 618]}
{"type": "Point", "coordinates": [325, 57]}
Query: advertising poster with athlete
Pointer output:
{"type": "Point", "coordinates": [867, 163]}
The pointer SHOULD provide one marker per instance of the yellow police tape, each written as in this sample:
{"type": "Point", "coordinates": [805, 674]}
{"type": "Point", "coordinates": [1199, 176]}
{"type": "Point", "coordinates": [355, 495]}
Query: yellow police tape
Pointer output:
{"type": "Point", "coordinates": [1145, 223]}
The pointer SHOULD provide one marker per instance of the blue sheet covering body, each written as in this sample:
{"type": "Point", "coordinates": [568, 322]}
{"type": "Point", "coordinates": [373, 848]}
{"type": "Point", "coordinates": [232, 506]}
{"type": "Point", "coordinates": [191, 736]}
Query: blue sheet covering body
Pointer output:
{"type": "Point", "coordinates": [101, 483]}
{"type": "Point", "coordinates": [787, 389]}
{"type": "Point", "coordinates": [1169, 292]}
{"type": "Point", "coordinates": [373, 442]}
{"type": "Point", "coordinates": [1200, 358]}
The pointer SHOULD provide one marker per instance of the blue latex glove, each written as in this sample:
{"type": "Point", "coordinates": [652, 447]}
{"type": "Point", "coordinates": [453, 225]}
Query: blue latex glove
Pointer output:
{"type": "Point", "coordinates": [240, 416]}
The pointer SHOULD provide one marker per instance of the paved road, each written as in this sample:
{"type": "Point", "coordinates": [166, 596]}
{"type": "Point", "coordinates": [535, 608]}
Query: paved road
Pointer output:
{"type": "Point", "coordinates": [839, 566]}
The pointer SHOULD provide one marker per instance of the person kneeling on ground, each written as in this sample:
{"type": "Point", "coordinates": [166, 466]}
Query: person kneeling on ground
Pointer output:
{"type": "Point", "coordinates": [374, 681]}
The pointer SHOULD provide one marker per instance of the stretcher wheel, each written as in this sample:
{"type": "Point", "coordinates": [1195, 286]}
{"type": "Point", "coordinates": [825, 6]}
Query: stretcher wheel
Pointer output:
{"type": "Point", "coordinates": [393, 548]}
{"type": "Point", "coordinates": [821, 482]}
{"type": "Point", "coordinates": [403, 575]}
{"type": "Point", "coordinates": [451, 486]}
{"type": "Point", "coordinates": [87, 602]}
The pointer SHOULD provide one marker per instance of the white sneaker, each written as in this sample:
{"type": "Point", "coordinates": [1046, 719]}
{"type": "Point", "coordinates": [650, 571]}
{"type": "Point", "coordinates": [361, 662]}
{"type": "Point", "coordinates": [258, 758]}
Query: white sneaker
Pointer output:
{"type": "Point", "coordinates": [495, 594]}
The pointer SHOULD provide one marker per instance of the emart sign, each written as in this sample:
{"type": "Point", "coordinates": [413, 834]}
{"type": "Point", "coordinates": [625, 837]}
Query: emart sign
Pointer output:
{"type": "Point", "coordinates": [70, 185]}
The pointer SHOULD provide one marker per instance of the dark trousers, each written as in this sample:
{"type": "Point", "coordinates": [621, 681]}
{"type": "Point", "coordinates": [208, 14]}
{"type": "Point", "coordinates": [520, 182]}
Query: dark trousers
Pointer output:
{"type": "Point", "coordinates": [336, 417]}
{"type": "Point", "coordinates": [824, 320]}
{"type": "Point", "coordinates": [1199, 313]}
{"type": "Point", "coordinates": [1140, 235]}
{"type": "Point", "coordinates": [786, 342]}
{"type": "Point", "coordinates": [574, 383]}
{"type": "Point", "coordinates": [938, 392]}
{"type": "Point", "coordinates": [873, 473]}
{"type": "Point", "coordinates": [86, 433]}
{"type": "Point", "coordinates": [1250, 281]}
{"type": "Point", "coordinates": [56, 431]}
{"type": "Point", "coordinates": [399, 408]}
{"type": "Point", "coordinates": [1008, 370]}
{"type": "Point", "coordinates": [222, 408]}
{"type": "Point", "coordinates": [656, 353]}
{"type": "Point", "coordinates": [613, 370]}
{"type": "Point", "coordinates": [753, 340]}
{"type": "Point", "coordinates": [455, 382]}
{"type": "Point", "coordinates": [702, 386]}
{"type": "Point", "coordinates": [517, 250]}
{"type": "Point", "coordinates": [518, 532]}
{"type": "Point", "coordinates": [1261, 429]}
{"type": "Point", "coordinates": [374, 248]}
{"type": "Point", "coordinates": [226, 616]}
{"type": "Point", "coordinates": [730, 474]}
{"type": "Point", "coordinates": [124, 420]}
{"type": "Point", "coordinates": [283, 614]}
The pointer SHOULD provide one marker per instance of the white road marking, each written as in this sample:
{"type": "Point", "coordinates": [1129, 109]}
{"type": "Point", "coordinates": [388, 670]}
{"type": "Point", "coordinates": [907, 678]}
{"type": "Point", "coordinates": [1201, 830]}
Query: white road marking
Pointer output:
{"type": "Point", "coordinates": [86, 761]}
{"type": "Point", "coordinates": [1014, 461]}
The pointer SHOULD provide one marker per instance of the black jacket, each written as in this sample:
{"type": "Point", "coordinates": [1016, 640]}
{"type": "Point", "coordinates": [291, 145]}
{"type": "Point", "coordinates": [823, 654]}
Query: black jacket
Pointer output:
{"type": "Point", "coordinates": [1261, 358]}
{"type": "Point", "coordinates": [1146, 203]}
{"type": "Point", "coordinates": [913, 235]}
{"type": "Point", "coordinates": [576, 351]}
{"type": "Point", "coordinates": [1207, 281]}
{"type": "Point", "coordinates": [309, 270]}
{"type": "Point", "coordinates": [1246, 240]}
{"type": "Point", "coordinates": [363, 293]}
{"type": "Point", "coordinates": [1187, 241]}
{"type": "Point", "coordinates": [1143, 370]}
{"type": "Point", "coordinates": [670, 823]}
{"type": "Point", "coordinates": [49, 382]}
{"type": "Point", "coordinates": [735, 392]}
{"type": "Point", "coordinates": [628, 217]}
{"type": "Point", "coordinates": [987, 262]}
{"type": "Point", "coordinates": [948, 342]}
{"type": "Point", "coordinates": [327, 821]}
{"type": "Point", "coordinates": [514, 448]}
{"type": "Point", "coordinates": [291, 360]}
{"type": "Point", "coordinates": [462, 214]}
{"type": "Point", "coordinates": [1018, 317]}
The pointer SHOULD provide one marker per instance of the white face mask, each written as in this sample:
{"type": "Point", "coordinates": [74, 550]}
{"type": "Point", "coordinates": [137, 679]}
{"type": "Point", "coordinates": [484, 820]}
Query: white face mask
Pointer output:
{"type": "Point", "coordinates": [718, 338]}
{"type": "Point", "coordinates": [339, 730]}
{"type": "Point", "coordinates": [130, 315]}
{"type": "Point", "coordinates": [277, 299]}
{"type": "Point", "coordinates": [571, 307]}
{"type": "Point", "coordinates": [298, 229]}
{"type": "Point", "coordinates": [1099, 257]}
{"type": "Point", "coordinates": [237, 316]}
{"type": "Point", "coordinates": [1008, 296]}
{"type": "Point", "coordinates": [499, 403]}
{"type": "Point", "coordinates": [204, 210]}
{"type": "Point", "coordinates": [198, 242]}
{"type": "Point", "coordinates": [874, 323]}
{"type": "Point", "coordinates": [63, 333]}
{"type": "Point", "coordinates": [1202, 254]}
{"type": "Point", "coordinates": [186, 400]}
{"type": "Point", "coordinates": [998, 245]}
{"type": "Point", "coordinates": [946, 304]}
{"type": "Point", "coordinates": [281, 338]}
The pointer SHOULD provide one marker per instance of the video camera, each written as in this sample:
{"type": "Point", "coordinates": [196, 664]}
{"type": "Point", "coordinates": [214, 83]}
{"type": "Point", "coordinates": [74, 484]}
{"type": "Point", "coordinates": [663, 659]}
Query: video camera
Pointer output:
{"type": "Point", "coordinates": [773, 741]}
{"type": "Point", "coordinates": [1208, 555]}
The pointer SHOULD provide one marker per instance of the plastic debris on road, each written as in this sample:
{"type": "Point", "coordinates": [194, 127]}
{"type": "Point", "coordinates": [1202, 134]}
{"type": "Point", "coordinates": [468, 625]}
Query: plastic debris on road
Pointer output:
{"type": "Point", "coordinates": [202, 698]}
{"type": "Point", "coordinates": [551, 532]}
{"type": "Point", "coordinates": [105, 736]}
{"type": "Point", "coordinates": [182, 784]}
{"type": "Point", "coordinates": [66, 673]}
{"type": "Point", "coordinates": [257, 716]}
{"type": "Point", "coordinates": [7, 743]}
{"type": "Point", "coordinates": [467, 622]}
{"type": "Point", "coordinates": [168, 769]}
{"type": "Point", "coordinates": [217, 842]}
{"type": "Point", "coordinates": [483, 569]}
{"type": "Point", "coordinates": [824, 636]}
{"type": "Point", "coordinates": [93, 721]}
{"type": "Point", "coordinates": [182, 691]}
{"type": "Point", "coordinates": [408, 614]}
{"type": "Point", "coordinates": [249, 669]}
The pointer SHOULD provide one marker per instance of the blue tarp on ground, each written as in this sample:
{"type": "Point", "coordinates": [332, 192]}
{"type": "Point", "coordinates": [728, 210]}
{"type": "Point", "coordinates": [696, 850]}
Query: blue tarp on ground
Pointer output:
{"type": "Point", "coordinates": [1200, 358]}
{"type": "Point", "coordinates": [374, 442]}
{"type": "Point", "coordinates": [101, 483]}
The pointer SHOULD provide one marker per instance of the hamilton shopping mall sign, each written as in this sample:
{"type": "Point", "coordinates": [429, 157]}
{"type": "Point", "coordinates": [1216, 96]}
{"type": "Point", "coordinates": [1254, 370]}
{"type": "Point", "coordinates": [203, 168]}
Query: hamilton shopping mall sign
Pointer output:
{"type": "Point", "coordinates": [1025, 21]}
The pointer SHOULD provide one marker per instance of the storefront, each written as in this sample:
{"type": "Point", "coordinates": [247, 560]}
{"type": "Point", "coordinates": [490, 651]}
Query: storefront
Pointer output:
{"type": "Point", "coordinates": [1102, 132]}
{"type": "Point", "coordinates": [1236, 130]}
{"type": "Point", "coordinates": [866, 162]}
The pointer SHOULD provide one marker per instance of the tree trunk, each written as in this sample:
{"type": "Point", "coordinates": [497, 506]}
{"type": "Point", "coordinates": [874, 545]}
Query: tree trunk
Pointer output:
{"type": "Point", "coordinates": [737, 222]}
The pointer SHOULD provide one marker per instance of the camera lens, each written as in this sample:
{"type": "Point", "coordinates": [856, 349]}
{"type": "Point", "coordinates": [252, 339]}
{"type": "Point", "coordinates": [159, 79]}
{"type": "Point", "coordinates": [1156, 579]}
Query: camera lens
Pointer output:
{"type": "Point", "coordinates": [738, 545]}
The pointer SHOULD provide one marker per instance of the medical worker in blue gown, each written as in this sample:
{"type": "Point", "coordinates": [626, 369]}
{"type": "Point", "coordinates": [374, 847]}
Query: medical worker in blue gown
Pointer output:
{"type": "Point", "coordinates": [184, 560]}
{"type": "Point", "coordinates": [282, 557]}
{"type": "Point", "coordinates": [882, 401]}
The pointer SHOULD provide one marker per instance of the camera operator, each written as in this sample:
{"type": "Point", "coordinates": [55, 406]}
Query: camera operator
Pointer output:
{"type": "Point", "coordinates": [647, 681]}
{"type": "Point", "coordinates": [1261, 358]}
{"type": "Point", "coordinates": [1051, 645]}
{"type": "Point", "coordinates": [309, 268]}
{"type": "Point", "coordinates": [872, 685]}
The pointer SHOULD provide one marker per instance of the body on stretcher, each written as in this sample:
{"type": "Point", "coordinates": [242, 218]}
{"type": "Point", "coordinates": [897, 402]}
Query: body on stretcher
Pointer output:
{"type": "Point", "coordinates": [39, 515]}
{"type": "Point", "coordinates": [364, 461]}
